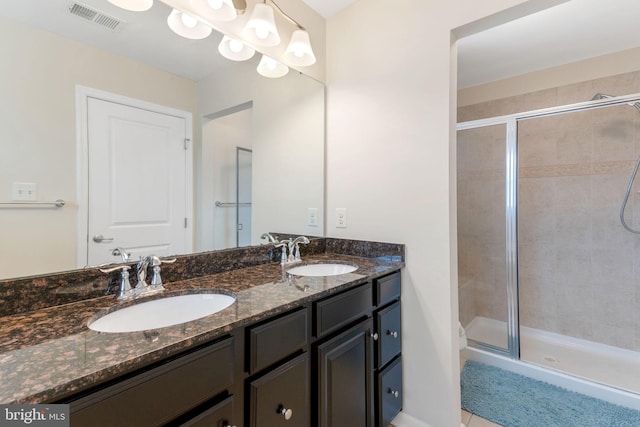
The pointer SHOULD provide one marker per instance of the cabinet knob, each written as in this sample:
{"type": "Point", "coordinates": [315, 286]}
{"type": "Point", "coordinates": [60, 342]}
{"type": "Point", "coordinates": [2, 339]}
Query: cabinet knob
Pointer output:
{"type": "Point", "coordinates": [286, 413]}
{"type": "Point", "coordinates": [394, 334]}
{"type": "Point", "coordinates": [226, 424]}
{"type": "Point", "coordinates": [394, 393]}
{"type": "Point", "coordinates": [374, 336]}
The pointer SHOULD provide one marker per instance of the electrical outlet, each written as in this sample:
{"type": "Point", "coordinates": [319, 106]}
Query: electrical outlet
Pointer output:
{"type": "Point", "coordinates": [341, 217]}
{"type": "Point", "coordinates": [312, 217]}
{"type": "Point", "coordinates": [24, 191]}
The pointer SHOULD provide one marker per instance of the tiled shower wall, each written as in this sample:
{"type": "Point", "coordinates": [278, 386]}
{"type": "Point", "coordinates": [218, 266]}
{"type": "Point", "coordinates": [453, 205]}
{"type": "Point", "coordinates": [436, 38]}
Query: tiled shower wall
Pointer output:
{"type": "Point", "coordinates": [579, 270]}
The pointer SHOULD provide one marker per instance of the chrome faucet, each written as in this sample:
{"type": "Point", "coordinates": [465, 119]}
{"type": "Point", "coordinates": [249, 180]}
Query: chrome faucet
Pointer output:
{"type": "Point", "coordinates": [156, 280]}
{"type": "Point", "coordinates": [294, 248]}
{"type": "Point", "coordinates": [270, 238]}
{"type": "Point", "coordinates": [142, 286]}
{"type": "Point", "coordinates": [119, 251]}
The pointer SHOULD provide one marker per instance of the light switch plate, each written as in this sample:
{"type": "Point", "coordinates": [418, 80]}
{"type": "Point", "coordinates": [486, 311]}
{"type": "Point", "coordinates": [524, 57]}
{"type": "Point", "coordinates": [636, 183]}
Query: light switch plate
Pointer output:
{"type": "Point", "coordinates": [312, 217]}
{"type": "Point", "coordinates": [26, 191]}
{"type": "Point", "coordinates": [341, 217]}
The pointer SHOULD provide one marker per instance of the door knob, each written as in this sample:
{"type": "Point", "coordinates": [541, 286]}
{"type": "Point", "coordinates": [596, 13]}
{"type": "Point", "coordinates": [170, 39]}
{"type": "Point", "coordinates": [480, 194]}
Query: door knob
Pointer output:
{"type": "Point", "coordinates": [99, 238]}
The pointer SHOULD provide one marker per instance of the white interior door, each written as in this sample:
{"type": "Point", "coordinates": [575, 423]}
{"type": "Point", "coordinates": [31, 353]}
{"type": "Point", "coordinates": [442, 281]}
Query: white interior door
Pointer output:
{"type": "Point", "coordinates": [137, 190]}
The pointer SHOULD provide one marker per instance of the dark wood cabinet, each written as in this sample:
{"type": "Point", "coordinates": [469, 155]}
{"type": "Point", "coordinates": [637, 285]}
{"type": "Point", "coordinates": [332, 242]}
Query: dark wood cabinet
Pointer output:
{"type": "Point", "coordinates": [332, 362]}
{"type": "Point", "coordinates": [282, 396]}
{"type": "Point", "coordinates": [220, 415]}
{"type": "Point", "coordinates": [160, 394]}
{"type": "Point", "coordinates": [345, 378]}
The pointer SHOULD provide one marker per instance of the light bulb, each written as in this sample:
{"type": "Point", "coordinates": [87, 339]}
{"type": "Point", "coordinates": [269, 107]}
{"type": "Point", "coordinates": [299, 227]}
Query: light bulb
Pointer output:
{"type": "Point", "coordinates": [262, 33]}
{"type": "Point", "coordinates": [188, 21]}
{"type": "Point", "coordinates": [215, 4]}
{"type": "Point", "coordinates": [235, 46]}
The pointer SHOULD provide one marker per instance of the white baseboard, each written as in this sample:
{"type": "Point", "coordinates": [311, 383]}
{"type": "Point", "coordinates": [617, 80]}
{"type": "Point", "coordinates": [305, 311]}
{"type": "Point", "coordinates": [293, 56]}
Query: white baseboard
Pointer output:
{"type": "Point", "coordinates": [405, 420]}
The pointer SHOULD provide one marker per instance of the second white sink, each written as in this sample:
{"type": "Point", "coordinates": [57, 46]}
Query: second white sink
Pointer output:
{"type": "Point", "coordinates": [162, 312]}
{"type": "Point", "coordinates": [327, 269]}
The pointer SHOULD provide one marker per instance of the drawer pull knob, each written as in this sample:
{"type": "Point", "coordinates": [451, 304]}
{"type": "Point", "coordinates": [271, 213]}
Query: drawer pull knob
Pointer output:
{"type": "Point", "coordinates": [226, 424]}
{"type": "Point", "coordinates": [374, 336]}
{"type": "Point", "coordinates": [394, 393]}
{"type": "Point", "coordinates": [394, 334]}
{"type": "Point", "coordinates": [287, 413]}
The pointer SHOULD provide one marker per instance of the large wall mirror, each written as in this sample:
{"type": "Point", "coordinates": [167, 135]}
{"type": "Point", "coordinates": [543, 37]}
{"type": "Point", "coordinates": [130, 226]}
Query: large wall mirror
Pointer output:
{"type": "Point", "coordinates": [257, 144]}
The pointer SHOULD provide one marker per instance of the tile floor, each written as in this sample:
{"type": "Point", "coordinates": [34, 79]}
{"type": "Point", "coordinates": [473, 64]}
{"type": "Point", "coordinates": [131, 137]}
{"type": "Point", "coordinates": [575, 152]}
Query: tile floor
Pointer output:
{"type": "Point", "coordinates": [470, 420]}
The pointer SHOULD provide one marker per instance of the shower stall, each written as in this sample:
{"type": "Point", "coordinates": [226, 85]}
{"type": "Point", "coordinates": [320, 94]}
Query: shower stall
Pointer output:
{"type": "Point", "coordinates": [548, 274]}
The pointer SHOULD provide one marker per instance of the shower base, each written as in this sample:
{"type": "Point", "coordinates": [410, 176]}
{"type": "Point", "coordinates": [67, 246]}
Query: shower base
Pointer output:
{"type": "Point", "coordinates": [612, 373]}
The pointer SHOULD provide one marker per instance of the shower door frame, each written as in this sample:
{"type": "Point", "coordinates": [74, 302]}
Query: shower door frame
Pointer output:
{"type": "Point", "coordinates": [511, 203]}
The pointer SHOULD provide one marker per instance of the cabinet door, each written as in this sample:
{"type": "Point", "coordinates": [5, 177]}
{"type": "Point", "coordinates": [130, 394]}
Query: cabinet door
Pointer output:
{"type": "Point", "coordinates": [281, 397]}
{"type": "Point", "coordinates": [388, 328]}
{"type": "Point", "coordinates": [345, 378]}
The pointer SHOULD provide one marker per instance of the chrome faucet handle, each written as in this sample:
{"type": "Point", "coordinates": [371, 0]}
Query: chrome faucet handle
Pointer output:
{"type": "Point", "coordinates": [296, 245]}
{"type": "Point", "coordinates": [284, 244]}
{"type": "Point", "coordinates": [156, 278]}
{"type": "Point", "coordinates": [125, 290]}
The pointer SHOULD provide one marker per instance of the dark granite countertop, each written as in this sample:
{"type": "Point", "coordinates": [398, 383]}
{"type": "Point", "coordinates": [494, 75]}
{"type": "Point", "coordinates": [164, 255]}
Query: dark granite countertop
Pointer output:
{"type": "Point", "coordinates": [49, 353]}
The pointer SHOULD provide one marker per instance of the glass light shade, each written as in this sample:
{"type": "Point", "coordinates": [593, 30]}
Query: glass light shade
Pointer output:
{"type": "Point", "coordinates": [133, 5]}
{"type": "Point", "coordinates": [299, 50]}
{"type": "Point", "coordinates": [215, 10]}
{"type": "Point", "coordinates": [235, 50]}
{"type": "Point", "coordinates": [269, 67]}
{"type": "Point", "coordinates": [187, 26]}
{"type": "Point", "coordinates": [261, 28]}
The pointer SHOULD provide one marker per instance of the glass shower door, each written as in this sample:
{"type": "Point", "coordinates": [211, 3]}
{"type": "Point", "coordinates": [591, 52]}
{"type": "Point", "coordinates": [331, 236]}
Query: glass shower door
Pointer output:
{"type": "Point", "coordinates": [483, 270]}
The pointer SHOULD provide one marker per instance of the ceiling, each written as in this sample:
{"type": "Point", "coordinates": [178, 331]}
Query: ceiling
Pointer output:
{"type": "Point", "coordinates": [572, 31]}
{"type": "Point", "coordinates": [327, 8]}
{"type": "Point", "coordinates": [569, 32]}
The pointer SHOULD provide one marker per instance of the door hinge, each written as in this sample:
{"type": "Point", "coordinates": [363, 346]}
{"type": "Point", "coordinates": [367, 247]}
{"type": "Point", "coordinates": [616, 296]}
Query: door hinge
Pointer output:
{"type": "Point", "coordinates": [185, 223]}
{"type": "Point", "coordinates": [186, 143]}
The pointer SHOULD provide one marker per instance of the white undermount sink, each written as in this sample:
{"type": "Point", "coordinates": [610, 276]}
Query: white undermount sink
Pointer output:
{"type": "Point", "coordinates": [325, 269]}
{"type": "Point", "coordinates": [162, 312]}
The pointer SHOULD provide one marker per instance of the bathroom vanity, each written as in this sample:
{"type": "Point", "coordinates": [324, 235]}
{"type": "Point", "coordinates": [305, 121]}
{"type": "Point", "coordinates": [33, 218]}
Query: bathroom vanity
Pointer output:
{"type": "Point", "coordinates": [291, 351]}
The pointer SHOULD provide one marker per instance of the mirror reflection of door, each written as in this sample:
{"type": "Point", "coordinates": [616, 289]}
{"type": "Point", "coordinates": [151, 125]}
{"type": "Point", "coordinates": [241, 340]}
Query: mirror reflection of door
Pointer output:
{"type": "Point", "coordinates": [137, 182]}
{"type": "Point", "coordinates": [226, 144]}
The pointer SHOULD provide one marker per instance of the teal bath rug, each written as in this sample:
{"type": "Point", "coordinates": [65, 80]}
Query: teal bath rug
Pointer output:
{"type": "Point", "coordinates": [513, 400]}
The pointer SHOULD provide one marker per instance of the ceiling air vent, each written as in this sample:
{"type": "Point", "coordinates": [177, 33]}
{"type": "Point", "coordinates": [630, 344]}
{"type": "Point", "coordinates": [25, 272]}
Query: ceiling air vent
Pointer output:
{"type": "Point", "coordinates": [95, 16]}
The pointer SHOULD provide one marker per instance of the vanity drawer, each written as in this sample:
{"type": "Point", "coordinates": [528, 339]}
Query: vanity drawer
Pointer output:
{"type": "Point", "coordinates": [160, 394]}
{"type": "Point", "coordinates": [277, 339]}
{"type": "Point", "coordinates": [342, 309]}
{"type": "Point", "coordinates": [389, 393]}
{"type": "Point", "coordinates": [387, 288]}
{"type": "Point", "coordinates": [220, 415]}
{"type": "Point", "coordinates": [388, 327]}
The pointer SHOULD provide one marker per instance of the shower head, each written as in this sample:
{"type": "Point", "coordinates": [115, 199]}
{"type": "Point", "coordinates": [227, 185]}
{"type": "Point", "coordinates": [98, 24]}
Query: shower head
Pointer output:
{"type": "Point", "coordinates": [635, 104]}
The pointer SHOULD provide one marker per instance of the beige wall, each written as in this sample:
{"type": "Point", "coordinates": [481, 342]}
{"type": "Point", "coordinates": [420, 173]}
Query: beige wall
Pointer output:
{"type": "Point", "coordinates": [390, 135]}
{"type": "Point", "coordinates": [577, 265]}
{"type": "Point", "coordinates": [40, 72]}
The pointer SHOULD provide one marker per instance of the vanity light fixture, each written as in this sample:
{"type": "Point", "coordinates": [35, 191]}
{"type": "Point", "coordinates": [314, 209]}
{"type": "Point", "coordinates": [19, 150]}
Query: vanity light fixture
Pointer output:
{"type": "Point", "coordinates": [187, 26]}
{"type": "Point", "coordinates": [215, 10]}
{"type": "Point", "coordinates": [133, 5]}
{"type": "Point", "coordinates": [299, 50]}
{"type": "Point", "coordinates": [269, 67]}
{"type": "Point", "coordinates": [261, 28]}
{"type": "Point", "coordinates": [234, 49]}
